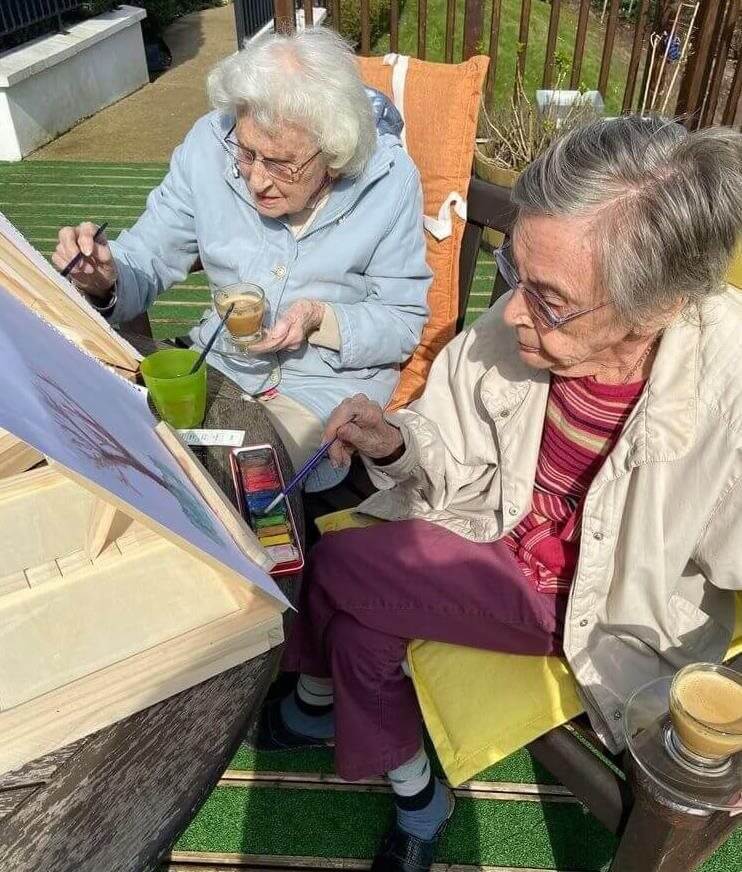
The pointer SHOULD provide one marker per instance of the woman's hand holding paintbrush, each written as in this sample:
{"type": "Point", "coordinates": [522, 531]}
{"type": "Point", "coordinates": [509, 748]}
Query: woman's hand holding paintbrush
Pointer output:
{"type": "Point", "coordinates": [84, 252]}
{"type": "Point", "coordinates": [357, 424]}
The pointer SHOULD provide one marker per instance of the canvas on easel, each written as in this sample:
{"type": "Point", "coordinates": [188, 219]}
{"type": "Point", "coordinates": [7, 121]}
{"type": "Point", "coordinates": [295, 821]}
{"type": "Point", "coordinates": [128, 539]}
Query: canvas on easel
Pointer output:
{"type": "Point", "coordinates": [127, 576]}
{"type": "Point", "coordinates": [32, 280]}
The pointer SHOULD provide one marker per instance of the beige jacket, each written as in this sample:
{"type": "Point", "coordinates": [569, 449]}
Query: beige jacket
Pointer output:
{"type": "Point", "coordinates": [661, 542]}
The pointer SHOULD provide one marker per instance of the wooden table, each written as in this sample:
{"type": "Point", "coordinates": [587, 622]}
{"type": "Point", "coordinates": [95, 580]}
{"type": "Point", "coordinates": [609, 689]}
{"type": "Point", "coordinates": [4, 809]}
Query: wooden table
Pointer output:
{"type": "Point", "coordinates": [117, 800]}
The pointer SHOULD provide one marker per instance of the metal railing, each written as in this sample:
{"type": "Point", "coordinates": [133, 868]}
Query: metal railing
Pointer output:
{"type": "Point", "coordinates": [707, 86]}
{"type": "Point", "coordinates": [17, 15]}
{"type": "Point", "coordinates": [250, 16]}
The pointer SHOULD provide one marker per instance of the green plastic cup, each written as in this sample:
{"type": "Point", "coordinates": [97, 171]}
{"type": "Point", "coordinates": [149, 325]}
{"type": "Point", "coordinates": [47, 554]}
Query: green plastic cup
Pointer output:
{"type": "Point", "coordinates": [179, 398]}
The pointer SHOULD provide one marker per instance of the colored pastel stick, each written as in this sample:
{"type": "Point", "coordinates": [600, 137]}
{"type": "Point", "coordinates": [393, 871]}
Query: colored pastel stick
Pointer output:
{"type": "Point", "coordinates": [257, 480]}
{"type": "Point", "coordinates": [260, 498]}
{"type": "Point", "coordinates": [283, 539]}
{"type": "Point", "coordinates": [271, 520]}
{"type": "Point", "coordinates": [283, 553]}
{"type": "Point", "coordinates": [256, 463]}
{"type": "Point", "coordinates": [275, 530]}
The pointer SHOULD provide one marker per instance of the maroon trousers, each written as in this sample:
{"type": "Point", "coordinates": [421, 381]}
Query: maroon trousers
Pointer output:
{"type": "Point", "coordinates": [368, 592]}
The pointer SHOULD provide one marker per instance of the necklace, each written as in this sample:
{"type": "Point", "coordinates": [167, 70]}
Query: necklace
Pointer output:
{"type": "Point", "coordinates": [640, 360]}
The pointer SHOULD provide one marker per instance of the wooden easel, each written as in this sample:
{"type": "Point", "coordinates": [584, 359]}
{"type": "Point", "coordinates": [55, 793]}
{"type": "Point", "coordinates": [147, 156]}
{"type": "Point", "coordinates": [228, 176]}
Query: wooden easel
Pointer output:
{"type": "Point", "coordinates": [15, 455]}
{"type": "Point", "coordinates": [104, 612]}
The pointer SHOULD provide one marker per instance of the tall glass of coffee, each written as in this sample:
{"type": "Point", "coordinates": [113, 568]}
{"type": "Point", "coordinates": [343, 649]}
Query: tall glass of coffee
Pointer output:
{"type": "Point", "coordinates": [706, 714]}
{"type": "Point", "coordinates": [245, 323]}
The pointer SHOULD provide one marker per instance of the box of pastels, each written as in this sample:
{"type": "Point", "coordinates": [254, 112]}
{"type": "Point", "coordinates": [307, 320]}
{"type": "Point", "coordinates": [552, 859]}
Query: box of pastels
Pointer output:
{"type": "Point", "coordinates": [258, 481]}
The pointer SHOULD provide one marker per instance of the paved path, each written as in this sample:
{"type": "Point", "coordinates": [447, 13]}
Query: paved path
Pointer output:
{"type": "Point", "coordinates": [147, 125]}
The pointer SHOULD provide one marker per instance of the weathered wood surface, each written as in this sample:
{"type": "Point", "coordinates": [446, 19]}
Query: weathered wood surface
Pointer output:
{"type": "Point", "coordinates": [117, 800]}
{"type": "Point", "coordinates": [661, 837]}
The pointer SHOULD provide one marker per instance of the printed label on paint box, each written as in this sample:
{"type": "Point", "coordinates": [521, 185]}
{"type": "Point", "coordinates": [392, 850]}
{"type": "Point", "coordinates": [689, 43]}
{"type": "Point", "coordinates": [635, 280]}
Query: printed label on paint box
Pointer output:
{"type": "Point", "coordinates": [226, 438]}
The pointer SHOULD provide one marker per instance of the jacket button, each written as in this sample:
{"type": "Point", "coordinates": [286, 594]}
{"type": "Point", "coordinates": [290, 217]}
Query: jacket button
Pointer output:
{"type": "Point", "coordinates": [598, 535]}
{"type": "Point", "coordinates": [617, 715]}
{"type": "Point", "coordinates": [279, 272]}
{"type": "Point", "coordinates": [505, 413]}
{"type": "Point", "coordinates": [513, 510]}
{"type": "Point", "coordinates": [584, 622]}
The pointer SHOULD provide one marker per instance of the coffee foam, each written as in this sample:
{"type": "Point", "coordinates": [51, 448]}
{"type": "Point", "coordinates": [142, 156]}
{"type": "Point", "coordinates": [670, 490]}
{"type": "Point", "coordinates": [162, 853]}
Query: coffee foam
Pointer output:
{"type": "Point", "coordinates": [712, 699]}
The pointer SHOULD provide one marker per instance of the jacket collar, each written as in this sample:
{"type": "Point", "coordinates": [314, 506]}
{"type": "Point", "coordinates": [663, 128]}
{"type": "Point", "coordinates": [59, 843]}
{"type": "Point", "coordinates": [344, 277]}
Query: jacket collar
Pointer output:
{"type": "Point", "coordinates": [509, 382]}
{"type": "Point", "coordinates": [345, 191]}
{"type": "Point", "coordinates": [663, 424]}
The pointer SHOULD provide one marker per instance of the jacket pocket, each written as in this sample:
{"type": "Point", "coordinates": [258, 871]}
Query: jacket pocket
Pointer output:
{"type": "Point", "coordinates": [692, 627]}
{"type": "Point", "coordinates": [331, 361]}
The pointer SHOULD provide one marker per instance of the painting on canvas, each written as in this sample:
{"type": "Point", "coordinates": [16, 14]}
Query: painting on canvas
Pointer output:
{"type": "Point", "coordinates": [62, 402]}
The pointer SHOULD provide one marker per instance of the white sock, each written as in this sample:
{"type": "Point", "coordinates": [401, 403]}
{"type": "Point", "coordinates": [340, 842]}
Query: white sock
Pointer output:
{"type": "Point", "coordinates": [313, 691]}
{"type": "Point", "coordinates": [411, 777]}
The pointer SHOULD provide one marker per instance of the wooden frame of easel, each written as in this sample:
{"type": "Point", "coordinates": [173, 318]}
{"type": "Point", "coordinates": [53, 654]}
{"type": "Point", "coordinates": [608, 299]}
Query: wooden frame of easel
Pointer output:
{"type": "Point", "coordinates": [103, 610]}
{"type": "Point", "coordinates": [119, 611]}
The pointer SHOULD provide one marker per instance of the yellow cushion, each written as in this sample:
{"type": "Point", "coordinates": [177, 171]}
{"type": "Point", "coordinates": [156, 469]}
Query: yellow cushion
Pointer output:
{"type": "Point", "coordinates": [506, 701]}
{"type": "Point", "coordinates": [736, 647]}
{"type": "Point", "coordinates": [734, 276]}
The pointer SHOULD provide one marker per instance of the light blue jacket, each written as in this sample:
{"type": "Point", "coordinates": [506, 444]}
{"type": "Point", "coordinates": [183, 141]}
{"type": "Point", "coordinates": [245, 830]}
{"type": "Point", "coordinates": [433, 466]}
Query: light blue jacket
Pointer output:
{"type": "Point", "coordinates": [364, 254]}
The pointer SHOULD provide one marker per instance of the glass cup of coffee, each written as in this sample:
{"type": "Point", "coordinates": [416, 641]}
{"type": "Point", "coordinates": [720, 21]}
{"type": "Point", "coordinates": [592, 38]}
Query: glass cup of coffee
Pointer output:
{"type": "Point", "coordinates": [245, 324]}
{"type": "Point", "coordinates": [706, 714]}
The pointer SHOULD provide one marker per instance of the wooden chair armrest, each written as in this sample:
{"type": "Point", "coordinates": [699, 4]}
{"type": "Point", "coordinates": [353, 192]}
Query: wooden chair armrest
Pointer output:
{"type": "Point", "coordinates": [590, 779]}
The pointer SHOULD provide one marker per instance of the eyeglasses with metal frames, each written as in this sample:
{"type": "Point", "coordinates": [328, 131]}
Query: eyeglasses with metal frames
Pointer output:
{"type": "Point", "coordinates": [536, 303]}
{"type": "Point", "coordinates": [280, 170]}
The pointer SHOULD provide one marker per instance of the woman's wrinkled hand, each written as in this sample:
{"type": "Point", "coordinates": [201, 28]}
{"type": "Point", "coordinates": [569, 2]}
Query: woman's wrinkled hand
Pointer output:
{"type": "Point", "coordinates": [292, 328]}
{"type": "Point", "coordinates": [96, 273]}
{"type": "Point", "coordinates": [360, 425]}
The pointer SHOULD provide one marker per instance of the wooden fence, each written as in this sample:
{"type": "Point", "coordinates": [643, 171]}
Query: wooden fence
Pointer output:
{"type": "Point", "coordinates": [709, 66]}
{"type": "Point", "coordinates": [705, 79]}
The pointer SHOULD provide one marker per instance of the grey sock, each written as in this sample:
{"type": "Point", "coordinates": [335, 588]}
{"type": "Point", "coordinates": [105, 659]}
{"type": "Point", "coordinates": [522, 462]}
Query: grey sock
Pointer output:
{"type": "Point", "coordinates": [424, 823]}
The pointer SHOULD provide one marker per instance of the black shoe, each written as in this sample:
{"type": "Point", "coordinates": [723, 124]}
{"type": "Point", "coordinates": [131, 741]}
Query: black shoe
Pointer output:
{"type": "Point", "coordinates": [274, 735]}
{"type": "Point", "coordinates": [284, 684]}
{"type": "Point", "coordinates": [401, 852]}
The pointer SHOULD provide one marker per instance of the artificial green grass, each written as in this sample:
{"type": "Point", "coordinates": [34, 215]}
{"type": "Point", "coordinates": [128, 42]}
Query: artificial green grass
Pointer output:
{"type": "Point", "coordinates": [318, 823]}
{"type": "Point", "coordinates": [315, 823]}
{"type": "Point", "coordinates": [351, 823]}
{"type": "Point", "coordinates": [508, 46]}
{"type": "Point", "coordinates": [519, 768]}
{"type": "Point", "coordinates": [41, 196]}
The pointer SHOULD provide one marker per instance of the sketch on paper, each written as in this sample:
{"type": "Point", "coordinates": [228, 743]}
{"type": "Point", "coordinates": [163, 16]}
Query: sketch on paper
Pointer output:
{"type": "Point", "coordinates": [105, 451]}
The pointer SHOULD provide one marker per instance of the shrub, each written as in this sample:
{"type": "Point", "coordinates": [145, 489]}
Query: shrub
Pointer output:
{"type": "Point", "coordinates": [160, 13]}
{"type": "Point", "coordinates": [378, 14]}
{"type": "Point", "coordinates": [98, 7]}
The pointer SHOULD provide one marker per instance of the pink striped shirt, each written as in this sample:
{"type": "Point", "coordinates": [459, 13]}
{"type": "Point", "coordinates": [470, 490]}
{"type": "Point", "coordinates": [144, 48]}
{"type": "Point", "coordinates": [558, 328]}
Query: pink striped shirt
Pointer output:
{"type": "Point", "coordinates": [583, 422]}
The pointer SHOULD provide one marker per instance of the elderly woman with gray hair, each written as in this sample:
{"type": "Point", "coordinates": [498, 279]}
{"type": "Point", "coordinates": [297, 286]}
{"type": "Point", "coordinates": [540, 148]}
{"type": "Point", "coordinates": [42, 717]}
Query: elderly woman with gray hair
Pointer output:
{"type": "Point", "coordinates": [297, 182]}
{"type": "Point", "coordinates": [569, 483]}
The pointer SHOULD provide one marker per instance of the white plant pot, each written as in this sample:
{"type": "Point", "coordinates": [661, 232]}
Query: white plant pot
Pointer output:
{"type": "Point", "coordinates": [558, 103]}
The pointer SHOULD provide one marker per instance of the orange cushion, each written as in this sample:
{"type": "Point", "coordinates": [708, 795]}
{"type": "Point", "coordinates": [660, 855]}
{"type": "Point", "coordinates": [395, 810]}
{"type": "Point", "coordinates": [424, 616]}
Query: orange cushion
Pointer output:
{"type": "Point", "coordinates": [441, 108]}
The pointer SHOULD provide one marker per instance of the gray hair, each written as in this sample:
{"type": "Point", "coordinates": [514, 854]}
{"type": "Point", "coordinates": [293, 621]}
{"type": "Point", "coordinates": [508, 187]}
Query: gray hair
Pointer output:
{"type": "Point", "coordinates": [668, 206]}
{"type": "Point", "coordinates": [309, 79]}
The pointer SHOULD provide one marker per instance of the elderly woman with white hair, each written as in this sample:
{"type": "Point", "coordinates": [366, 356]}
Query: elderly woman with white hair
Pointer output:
{"type": "Point", "coordinates": [289, 185]}
{"type": "Point", "coordinates": [569, 483]}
